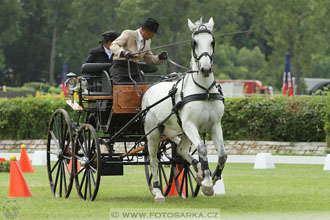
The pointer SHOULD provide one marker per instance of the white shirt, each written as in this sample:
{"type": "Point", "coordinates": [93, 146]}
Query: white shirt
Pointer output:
{"type": "Point", "coordinates": [140, 43]}
{"type": "Point", "coordinates": [108, 52]}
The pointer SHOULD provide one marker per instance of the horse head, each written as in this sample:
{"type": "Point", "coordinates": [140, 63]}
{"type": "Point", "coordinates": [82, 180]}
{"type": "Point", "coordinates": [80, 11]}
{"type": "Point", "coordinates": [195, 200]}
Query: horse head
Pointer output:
{"type": "Point", "coordinates": [202, 46]}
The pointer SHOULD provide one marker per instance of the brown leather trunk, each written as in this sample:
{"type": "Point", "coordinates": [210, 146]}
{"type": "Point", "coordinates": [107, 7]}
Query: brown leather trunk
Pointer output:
{"type": "Point", "coordinates": [125, 98]}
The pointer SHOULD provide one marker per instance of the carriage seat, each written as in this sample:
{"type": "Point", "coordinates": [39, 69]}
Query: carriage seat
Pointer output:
{"type": "Point", "coordinates": [94, 68]}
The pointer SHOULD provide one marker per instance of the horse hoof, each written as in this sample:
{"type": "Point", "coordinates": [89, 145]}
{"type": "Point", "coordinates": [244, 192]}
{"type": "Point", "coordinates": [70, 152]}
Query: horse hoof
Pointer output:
{"type": "Point", "coordinates": [208, 191]}
{"type": "Point", "coordinates": [160, 199]}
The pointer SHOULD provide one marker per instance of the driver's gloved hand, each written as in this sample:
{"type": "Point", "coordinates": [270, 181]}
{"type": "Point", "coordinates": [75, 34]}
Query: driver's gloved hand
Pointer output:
{"type": "Point", "coordinates": [126, 54]}
{"type": "Point", "coordinates": [163, 55]}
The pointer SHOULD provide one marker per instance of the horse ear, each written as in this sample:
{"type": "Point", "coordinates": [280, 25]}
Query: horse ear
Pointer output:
{"type": "Point", "coordinates": [201, 20]}
{"type": "Point", "coordinates": [210, 24]}
{"type": "Point", "coordinates": [191, 25]}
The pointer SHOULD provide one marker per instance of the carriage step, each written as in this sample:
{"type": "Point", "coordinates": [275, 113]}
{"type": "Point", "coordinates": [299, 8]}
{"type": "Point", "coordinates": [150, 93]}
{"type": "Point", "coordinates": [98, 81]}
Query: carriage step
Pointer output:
{"type": "Point", "coordinates": [109, 167]}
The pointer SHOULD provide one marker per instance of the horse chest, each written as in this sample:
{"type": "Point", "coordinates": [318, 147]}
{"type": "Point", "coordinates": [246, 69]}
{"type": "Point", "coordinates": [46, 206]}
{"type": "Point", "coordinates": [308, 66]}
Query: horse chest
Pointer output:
{"type": "Point", "coordinates": [204, 114]}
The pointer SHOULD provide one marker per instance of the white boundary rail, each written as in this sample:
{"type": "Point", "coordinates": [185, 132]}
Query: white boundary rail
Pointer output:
{"type": "Point", "coordinates": [231, 158]}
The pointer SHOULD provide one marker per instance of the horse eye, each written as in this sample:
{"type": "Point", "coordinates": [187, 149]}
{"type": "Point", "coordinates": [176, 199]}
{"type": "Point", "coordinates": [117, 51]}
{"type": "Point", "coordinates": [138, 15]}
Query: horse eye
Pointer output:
{"type": "Point", "coordinates": [195, 43]}
{"type": "Point", "coordinates": [213, 43]}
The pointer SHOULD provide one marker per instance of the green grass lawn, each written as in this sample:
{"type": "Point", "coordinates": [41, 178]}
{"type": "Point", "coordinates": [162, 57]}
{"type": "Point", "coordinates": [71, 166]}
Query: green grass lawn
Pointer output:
{"type": "Point", "coordinates": [287, 190]}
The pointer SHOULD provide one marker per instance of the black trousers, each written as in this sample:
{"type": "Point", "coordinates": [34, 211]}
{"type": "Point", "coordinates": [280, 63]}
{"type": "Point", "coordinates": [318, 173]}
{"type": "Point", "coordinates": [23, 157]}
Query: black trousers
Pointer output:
{"type": "Point", "coordinates": [120, 73]}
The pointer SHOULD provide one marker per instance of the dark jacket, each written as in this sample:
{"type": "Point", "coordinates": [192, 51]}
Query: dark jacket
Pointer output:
{"type": "Point", "coordinates": [98, 55]}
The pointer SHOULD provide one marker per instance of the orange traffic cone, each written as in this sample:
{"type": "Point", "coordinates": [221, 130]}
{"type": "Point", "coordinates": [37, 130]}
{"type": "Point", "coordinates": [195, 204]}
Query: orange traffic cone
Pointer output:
{"type": "Point", "coordinates": [25, 161]}
{"type": "Point", "coordinates": [70, 166]}
{"type": "Point", "coordinates": [18, 186]}
{"type": "Point", "coordinates": [174, 190]}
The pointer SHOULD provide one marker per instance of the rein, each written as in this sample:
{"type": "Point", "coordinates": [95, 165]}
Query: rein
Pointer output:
{"type": "Point", "coordinates": [247, 32]}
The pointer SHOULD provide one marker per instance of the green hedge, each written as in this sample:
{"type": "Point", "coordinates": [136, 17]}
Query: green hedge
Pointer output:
{"type": "Point", "coordinates": [27, 118]}
{"type": "Point", "coordinates": [276, 119]}
{"type": "Point", "coordinates": [257, 118]}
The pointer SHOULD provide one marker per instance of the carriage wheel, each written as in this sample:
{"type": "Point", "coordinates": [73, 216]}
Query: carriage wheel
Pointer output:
{"type": "Point", "coordinates": [186, 177]}
{"type": "Point", "coordinates": [166, 170]}
{"type": "Point", "coordinates": [86, 162]}
{"type": "Point", "coordinates": [91, 119]}
{"type": "Point", "coordinates": [59, 172]}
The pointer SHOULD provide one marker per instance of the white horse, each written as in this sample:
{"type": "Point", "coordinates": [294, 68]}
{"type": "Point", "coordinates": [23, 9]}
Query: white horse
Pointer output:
{"type": "Point", "coordinates": [201, 112]}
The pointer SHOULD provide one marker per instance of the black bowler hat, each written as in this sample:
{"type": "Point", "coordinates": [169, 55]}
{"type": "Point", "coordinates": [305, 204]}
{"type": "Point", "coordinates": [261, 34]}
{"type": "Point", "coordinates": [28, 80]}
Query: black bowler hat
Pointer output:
{"type": "Point", "coordinates": [150, 24]}
{"type": "Point", "coordinates": [109, 36]}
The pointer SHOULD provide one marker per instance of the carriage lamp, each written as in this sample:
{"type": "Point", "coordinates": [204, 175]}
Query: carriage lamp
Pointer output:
{"type": "Point", "coordinates": [72, 81]}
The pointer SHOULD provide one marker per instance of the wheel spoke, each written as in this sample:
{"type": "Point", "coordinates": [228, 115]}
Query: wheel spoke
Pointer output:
{"type": "Point", "coordinates": [82, 181]}
{"type": "Point", "coordinates": [66, 136]}
{"type": "Point", "coordinates": [61, 175]}
{"type": "Point", "coordinates": [81, 147]}
{"type": "Point", "coordinates": [182, 182]}
{"type": "Point", "coordinates": [66, 157]}
{"type": "Point", "coordinates": [89, 183]}
{"type": "Point", "coordinates": [162, 170]}
{"type": "Point", "coordinates": [62, 132]}
{"type": "Point", "coordinates": [85, 143]}
{"type": "Point", "coordinates": [53, 153]}
{"type": "Point", "coordinates": [185, 176]}
{"type": "Point", "coordinates": [58, 132]}
{"type": "Point", "coordinates": [86, 185]}
{"type": "Point", "coordinates": [66, 166]}
{"type": "Point", "coordinates": [89, 143]}
{"type": "Point", "coordinates": [190, 183]}
{"type": "Point", "coordinates": [56, 179]}
{"type": "Point", "coordinates": [54, 167]}
{"type": "Point", "coordinates": [81, 170]}
{"type": "Point", "coordinates": [93, 169]}
{"type": "Point", "coordinates": [160, 176]}
{"type": "Point", "coordinates": [93, 158]}
{"type": "Point", "coordinates": [64, 177]}
{"type": "Point", "coordinates": [55, 139]}
{"type": "Point", "coordinates": [93, 179]}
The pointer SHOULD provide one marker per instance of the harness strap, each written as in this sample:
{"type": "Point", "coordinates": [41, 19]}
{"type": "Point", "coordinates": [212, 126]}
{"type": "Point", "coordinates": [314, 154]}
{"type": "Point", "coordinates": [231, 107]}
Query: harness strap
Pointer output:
{"type": "Point", "coordinates": [199, 97]}
{"type": "Point", "coordinates": [200, 86]}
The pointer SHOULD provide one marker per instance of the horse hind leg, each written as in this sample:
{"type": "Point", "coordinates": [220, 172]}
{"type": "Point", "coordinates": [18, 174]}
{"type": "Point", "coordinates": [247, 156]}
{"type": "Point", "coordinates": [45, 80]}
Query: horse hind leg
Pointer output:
{"type": "Point", "coordinates": [153, 142]}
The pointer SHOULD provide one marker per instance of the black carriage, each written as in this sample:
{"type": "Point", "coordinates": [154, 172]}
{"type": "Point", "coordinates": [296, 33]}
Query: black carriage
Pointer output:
{"type": "Point", "coordinates": [107, 134]}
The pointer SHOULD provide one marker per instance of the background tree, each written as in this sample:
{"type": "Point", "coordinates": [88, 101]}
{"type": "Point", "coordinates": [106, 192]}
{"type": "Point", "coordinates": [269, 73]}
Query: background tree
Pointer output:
{"type": "Point", "coordinates": [34, 44]}
{"type": "Point", "coordinates": [291, 26]}
{"type": "Point", "coordinates": [10, 12]}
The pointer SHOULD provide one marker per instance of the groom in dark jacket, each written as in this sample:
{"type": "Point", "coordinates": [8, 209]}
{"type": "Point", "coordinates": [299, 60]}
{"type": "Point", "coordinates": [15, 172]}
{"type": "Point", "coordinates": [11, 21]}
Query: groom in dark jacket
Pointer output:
{"type": "Point", "coordinates": [102, 54]}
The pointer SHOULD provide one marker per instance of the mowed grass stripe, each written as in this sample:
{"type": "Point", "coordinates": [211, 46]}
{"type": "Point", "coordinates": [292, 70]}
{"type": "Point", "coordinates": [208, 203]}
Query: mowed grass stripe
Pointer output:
{"type": "Point", "coordinates": [285, 189]}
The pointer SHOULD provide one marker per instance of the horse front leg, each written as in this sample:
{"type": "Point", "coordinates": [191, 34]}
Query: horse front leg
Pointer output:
{"type": "Point", "coordinates": [202, 167]}
{"type": "Point", "coordinates": [217, 139]}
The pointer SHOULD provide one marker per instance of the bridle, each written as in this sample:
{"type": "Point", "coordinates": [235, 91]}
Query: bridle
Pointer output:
{"type": "Point", "coordinates": [193, 44]}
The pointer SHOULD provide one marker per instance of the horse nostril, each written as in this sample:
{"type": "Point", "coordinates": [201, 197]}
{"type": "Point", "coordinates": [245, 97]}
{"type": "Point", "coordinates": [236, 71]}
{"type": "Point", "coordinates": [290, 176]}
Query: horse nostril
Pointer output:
{"type": "Point", "coordinates": [205, 71]}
